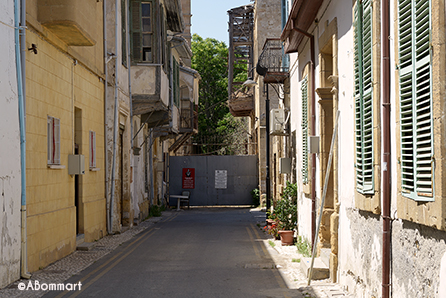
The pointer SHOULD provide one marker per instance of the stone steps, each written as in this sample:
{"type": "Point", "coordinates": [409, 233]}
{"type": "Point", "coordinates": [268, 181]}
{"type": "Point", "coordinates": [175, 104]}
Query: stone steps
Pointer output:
{"type": "Point", "coordinates": [82, 245]}
{"type": "Point", "coordinates": [321, 266]}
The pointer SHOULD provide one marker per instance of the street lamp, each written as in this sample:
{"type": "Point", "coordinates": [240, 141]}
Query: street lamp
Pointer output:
{"type": "Point", "coordinates": [249, 83]}
{"type": "Point", "coordinates": [262, 70]}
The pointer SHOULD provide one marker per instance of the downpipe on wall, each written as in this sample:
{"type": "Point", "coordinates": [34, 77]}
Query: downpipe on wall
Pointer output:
{"type": "Point", "coordinates": [313, 130]}
{"type": "Point", "coordinates": [115, 121]}
{"type": "Point", "coordinates": [104, 13]}
{"type": "Point", "coordinates": [386, 166]}
{"type": "Point", "coordinates": [20, 50]}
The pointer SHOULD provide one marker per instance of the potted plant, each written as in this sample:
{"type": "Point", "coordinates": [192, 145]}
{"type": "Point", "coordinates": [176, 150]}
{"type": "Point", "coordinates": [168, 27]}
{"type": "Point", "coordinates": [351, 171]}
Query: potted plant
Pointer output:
{"type": "Point", "coordinates": [286, 214]}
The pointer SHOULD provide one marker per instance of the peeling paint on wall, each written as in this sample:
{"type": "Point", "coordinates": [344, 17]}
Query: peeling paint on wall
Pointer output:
{"type": "Point", "coordinates": [10, 185]}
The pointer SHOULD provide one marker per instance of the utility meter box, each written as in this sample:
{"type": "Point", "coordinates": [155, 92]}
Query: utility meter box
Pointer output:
{"type": "Point", "coordinates": [285, 165]}
{"type": "Point", "coordinates": [277, 122]}
{"type": "Point", "coordinates": [76, 164]}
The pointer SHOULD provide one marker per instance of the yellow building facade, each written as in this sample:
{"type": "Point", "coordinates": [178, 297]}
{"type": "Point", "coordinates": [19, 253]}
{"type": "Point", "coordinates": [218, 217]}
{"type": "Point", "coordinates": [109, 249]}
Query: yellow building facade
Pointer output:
{"type": "Point", "coordinates": [64, 117]}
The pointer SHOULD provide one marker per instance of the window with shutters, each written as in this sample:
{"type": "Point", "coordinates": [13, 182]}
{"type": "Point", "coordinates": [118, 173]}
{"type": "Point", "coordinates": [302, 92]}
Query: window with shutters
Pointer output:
{"type": "Point", "coordinates": [176, 82]}
{"type": "Point", "coordinates": [92, 137]}
{"type": "Point", "coordinates": [142, 34]}
{"type": "Point", "coordinates": [53, 130]}
{"type": "Point", "coordinates": [363, 94]}
{"type": "Point", "coordinates": [415, 96]}
{"type": "Point", "coordinates": [305, 128]}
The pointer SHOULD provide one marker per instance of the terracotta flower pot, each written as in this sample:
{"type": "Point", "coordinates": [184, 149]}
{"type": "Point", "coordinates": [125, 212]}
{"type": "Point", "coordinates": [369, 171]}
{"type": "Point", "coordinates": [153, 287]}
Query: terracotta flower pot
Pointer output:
{"type": "Point", "coordinates": [269, 223]}
{"type": "Point", "coordinates": [286, 237]}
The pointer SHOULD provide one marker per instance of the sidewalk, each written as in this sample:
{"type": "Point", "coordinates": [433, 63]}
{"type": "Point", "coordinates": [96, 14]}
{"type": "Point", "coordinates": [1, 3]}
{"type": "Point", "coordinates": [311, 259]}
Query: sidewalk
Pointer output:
{"type": "Point", "coordinates": [61, 270]}
{"type": "Point", "coordinates": [287, 260]}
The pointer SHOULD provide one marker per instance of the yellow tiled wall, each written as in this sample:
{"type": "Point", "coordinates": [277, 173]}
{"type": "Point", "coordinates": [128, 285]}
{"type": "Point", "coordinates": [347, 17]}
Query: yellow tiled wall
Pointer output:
{"type": "Point", "coordinates": [57, 85]}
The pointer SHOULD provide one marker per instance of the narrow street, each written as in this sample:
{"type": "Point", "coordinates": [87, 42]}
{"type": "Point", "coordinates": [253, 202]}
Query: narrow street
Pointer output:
{"type": "Point", "coordinates": [215, 252]}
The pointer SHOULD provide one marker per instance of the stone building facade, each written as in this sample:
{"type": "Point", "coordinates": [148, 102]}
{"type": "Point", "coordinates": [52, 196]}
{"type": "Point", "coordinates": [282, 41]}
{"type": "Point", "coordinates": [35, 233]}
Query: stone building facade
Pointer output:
{"type": "Point", "coordinates": [348, 81]}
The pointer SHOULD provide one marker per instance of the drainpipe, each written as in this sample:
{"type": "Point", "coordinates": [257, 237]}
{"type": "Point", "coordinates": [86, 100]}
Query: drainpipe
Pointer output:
{"type": "Point", "coordinates": [386, 188]}
{"type": "Point", "coordinates": [105, 113]}
{"type": "Point", "coordinates": [268, 178]}
{"type": "Point", "coordinates": [129, 70]}
{"type": "Point", "coordinates": [127, 12]}
{"type": "Point", "coordinates": [313, 130]}
{"type": "Point", "coordinates": [19, 53]}
{"type": "Point", "coordinates": [115, 119]}
{"type": "Point", "coordinates": [152, 187]}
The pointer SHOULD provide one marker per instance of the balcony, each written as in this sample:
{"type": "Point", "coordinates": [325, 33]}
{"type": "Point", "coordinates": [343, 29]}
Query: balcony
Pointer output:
{"type": "Point", "coordinates": [150, 94]}
{"type": "Point", "coordinates": [188, 117]}
{"type": "Point", "coordinates": [241, 103]}
{"type": "Point", "coordinates": [188, 113]}
{"type": "Point", "coordinates": [273, 63]}
{"type": "Point", "coordinates": [241, 36]}
{"type": "Point", "coordinates": [74, 22]}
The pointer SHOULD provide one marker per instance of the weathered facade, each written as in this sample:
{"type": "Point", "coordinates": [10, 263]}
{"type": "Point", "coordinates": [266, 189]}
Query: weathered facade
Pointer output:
{"type": "Point", "coordinates": [164, 89]}
{"type": "Point", "coordinates": [109, 95]}
{"type": "Point", "coordinates": [346, 78]}
{"type": "Point", "coordinates": [10, 172]}
{"type": "Point", "coordinates": [64, 122]}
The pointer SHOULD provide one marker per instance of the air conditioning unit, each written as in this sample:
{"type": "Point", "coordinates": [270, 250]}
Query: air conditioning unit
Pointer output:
{"type": "Point", "coordinates": [278, 122]}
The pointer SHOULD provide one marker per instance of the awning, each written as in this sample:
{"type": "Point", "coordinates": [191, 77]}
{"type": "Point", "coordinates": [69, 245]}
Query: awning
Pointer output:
{"type": "Point", "coordinates": [182, 47]}
{"type": "Point", "coordinates": [302, 15]}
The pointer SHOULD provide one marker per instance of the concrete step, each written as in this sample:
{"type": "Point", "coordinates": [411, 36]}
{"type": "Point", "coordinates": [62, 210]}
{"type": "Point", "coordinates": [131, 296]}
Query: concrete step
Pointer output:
{"type": "Point", "coordinates": [86, 246]}
{"type": "Point", "coordinates": [80, 238]}
{"type": "Point", "coordinates": [320, 270]}
{"type": "Point", "coordinates": [325, 256]}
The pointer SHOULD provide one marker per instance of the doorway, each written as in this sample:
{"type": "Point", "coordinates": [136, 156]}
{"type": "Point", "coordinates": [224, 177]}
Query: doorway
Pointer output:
{"type": "Point", "coordinates": [78, 178]}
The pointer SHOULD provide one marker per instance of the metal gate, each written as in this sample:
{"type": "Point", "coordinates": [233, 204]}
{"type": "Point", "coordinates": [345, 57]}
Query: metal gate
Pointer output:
{"type": "Point", "coordinates": [217, 180]}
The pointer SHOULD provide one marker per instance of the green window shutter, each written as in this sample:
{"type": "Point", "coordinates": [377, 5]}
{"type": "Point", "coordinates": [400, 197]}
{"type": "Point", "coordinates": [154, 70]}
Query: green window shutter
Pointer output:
{"type": "Point", "coordinates": [176, 83]}
{"type": "Point", "coordinates": [363, 92]}
{"type": "Point", "coordinates": [136, 31]}
{"type": "Point", "coordinates": [304, 93]}
{"type": "Point", "coordinates": [415, 99]}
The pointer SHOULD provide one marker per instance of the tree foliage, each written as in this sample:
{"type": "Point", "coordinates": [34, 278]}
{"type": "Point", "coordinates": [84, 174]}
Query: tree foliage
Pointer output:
{"type": "Point", "coordinates": [218, 131]}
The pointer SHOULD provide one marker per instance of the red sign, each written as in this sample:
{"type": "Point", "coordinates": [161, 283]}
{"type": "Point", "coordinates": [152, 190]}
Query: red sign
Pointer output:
{"type": "Point", "coordinates": [188, 178]}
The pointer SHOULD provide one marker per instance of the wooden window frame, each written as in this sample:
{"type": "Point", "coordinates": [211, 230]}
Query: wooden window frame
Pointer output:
{"type": "Point", "coordinates": [416, 112]}
{"type": "Point", "coordinates": [363, 94]}
{"type": "Point", "coordinates": [176, 82]}
{"type": "Point", "coordinates": [53, 141]}
{"type": "Point", "coordinates": [92, 151]}
{"type": "Point", "coordinates": [305, 130]}
{"type": "Point", "coordinates": [137, 32]}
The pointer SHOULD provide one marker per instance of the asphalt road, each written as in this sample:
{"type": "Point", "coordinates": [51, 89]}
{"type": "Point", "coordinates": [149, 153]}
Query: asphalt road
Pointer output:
{"type": "Point", "coordinates": [212, 252]}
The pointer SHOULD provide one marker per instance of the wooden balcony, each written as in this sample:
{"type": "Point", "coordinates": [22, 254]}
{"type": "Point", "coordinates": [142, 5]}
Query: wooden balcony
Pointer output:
{"type": "Point", "coordinates": [241, 103]}
{"type": "Point", "coordinates": [150, 94]}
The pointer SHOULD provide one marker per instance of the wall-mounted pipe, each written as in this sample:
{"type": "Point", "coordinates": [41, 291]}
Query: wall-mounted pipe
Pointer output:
{"type": "Point", "coordinates": [386, 184]}
{"type": "Point", "coordinates": [106, 60]}
{"type": "Point", "coordinates": [313, 129]}
{"type": "Point", "coordinates": [20, 50]}
{"type": "Point", "coordinates": [115, 120]}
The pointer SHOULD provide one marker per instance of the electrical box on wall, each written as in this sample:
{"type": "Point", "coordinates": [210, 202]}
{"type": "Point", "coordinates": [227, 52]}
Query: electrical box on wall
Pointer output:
{"type": "Point", "coordinates": [76, 164]}
{"type": "Point", "coordinates": [314, 144]}
{"type": "Point", "coordinates": [278, 122]}
{"type": "Point", "coordinates": [285, 165]}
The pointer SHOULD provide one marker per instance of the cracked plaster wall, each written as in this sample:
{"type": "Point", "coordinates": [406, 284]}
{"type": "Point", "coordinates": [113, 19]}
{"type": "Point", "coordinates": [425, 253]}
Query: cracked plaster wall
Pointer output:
{"type": "Point", "coordinates": [9, 146]}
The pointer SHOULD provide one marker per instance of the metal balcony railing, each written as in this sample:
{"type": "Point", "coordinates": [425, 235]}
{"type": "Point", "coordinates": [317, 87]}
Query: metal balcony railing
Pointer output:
{"type": "Point", "coordinates": [273, 63]}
